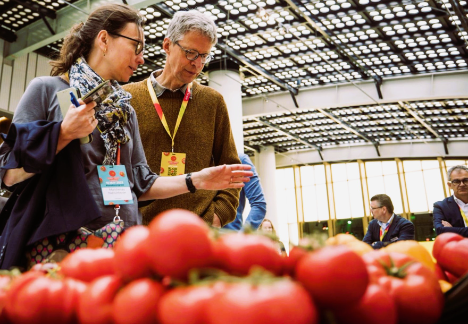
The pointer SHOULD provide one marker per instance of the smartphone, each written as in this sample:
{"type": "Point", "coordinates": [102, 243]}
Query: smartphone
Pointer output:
{"type": "Point", "coordinates": [98, 94]}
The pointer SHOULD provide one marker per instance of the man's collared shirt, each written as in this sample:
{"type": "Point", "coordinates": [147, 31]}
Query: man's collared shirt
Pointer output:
{"type": "Point", "coordinates": [159, 89]}
{"type": "Point", "coordinates": [463, 207]}
{"type": "Point", "coordinates": [385, 225]}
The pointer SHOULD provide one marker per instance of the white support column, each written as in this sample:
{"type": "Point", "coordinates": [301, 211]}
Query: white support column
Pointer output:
{"type": "Point", "coordinates": [228, 83]}
{"type": "Point", "coordinates": [266, 168]}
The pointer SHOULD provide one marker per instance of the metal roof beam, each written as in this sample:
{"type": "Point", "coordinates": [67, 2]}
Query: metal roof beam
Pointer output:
{"type": "Point", "coordinates": [37, 34]}
{"type": "Point", "coordinates": [34, 6]}
{"type": "Point", "coordinates": [414, 113]}
{"type": "Point", "coordinates": [298, 139]}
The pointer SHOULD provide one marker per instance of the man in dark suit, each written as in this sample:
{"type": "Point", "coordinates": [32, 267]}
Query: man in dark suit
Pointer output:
{"type": "Point", "coordinates": [386, 227]}
{"type": "Point", "coordinates": [450, 214]}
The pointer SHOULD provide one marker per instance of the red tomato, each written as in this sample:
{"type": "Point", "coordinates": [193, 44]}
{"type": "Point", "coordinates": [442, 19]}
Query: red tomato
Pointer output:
{"type": "Point", "coordinates": [122, 174]}
{"type": "Point", "coordinates": [112, 173]}
{"type": "Point", "coordinates": [451, 278]}
{"type": "Point", "coordinates": [278, 302]}
{"type": "Point", "coordinates": [88, 264]}
{"type": "Point", "coordinates": [130, 260]}
{"type": "Point", "coordinates": [290, 262]}
{"type": "Point", "coordinates": [414, 287]}
{"type": "Point", "coordinates": [443, 239]}
{"type": "Point", "coordinates": [100, 180]}
{"type": "Point", "coordinates": [138, 302]}
{"type": "Point", "coordinates": [375, 307]}
{"type": "Point", "coordinates": [440, 273]}
{"type": "Point", "coordinates": [173, 158]}
{"type": "Point", "coordinates": [188, 305]}
{"type": "Point", "coordinates": [238, 253]}
{"type": "Point", "coordinates": [334, 275]}
{"type": "Point", "coordinates": [5, 282]}
{"type": "Point", "coordinates": [35, 298]}
{"type": "Point", "coordinates": [95, 303]}
{"type": "Point", "coordinates": [103, 168]}
{"type": "Point", "coordinates": [166, 153]}
{"type": "Point", "coordinates": [183, 160]}
{"type": "Point", "coordinates": [453, 256]}
{"type": "Point", "coordinates": [162, 170]}
{"type": "Point", "coordinates": [178, 241]}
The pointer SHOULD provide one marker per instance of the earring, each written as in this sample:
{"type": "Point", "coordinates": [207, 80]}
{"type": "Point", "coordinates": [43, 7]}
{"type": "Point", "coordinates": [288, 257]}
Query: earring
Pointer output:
{"type": "Point", "coordinates": [104, 52]}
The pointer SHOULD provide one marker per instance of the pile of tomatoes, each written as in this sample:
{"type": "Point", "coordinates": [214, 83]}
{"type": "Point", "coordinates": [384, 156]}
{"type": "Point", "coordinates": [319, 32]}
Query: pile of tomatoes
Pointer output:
{"type": "Point", "coordinates": [176, 272]}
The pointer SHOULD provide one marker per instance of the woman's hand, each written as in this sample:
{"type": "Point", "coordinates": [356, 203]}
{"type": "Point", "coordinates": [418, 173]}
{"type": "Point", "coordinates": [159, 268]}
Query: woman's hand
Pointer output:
{"type": "Point", "coordinates": [222, 177]}
{"type": "Point", "coordinates": [78, 122]}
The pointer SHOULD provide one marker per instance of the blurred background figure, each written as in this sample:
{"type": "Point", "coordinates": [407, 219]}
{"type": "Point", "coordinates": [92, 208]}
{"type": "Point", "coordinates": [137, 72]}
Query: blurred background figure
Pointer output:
{"type": "Point", "coordinates": [450, 213]}
{"type": "Point", "coordinates": [386, 227]}
{"type": "Point", "coordinates": [267, 227]}
{"type": "Point", "coordinates": [254, 193]}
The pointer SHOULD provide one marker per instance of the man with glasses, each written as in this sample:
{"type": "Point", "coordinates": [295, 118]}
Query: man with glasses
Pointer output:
{"type": "Point", "coordinates": [184, 126]}
{"type": "Point", "coordinates": [450, 214]}
{"type": "Point", "coordinates": [386, 227]}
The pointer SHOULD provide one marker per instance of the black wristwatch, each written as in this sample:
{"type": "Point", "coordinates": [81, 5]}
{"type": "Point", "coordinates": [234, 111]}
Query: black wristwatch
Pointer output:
{"type": "Point", "coordinates": [189, 183]}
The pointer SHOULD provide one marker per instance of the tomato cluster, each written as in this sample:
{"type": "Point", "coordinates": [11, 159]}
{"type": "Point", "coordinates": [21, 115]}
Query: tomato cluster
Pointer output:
{"type": "Point", "coordinates": [176, 271]}
{"type": "Point", "coordinates": [451, 252]}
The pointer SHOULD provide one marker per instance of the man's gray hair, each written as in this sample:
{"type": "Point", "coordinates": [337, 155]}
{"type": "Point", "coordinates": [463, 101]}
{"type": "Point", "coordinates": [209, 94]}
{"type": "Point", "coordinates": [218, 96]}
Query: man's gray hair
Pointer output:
{"type": "Point", "coordinates": [456, 167]}
{"type": "Point", "coordinates": [193, 20]}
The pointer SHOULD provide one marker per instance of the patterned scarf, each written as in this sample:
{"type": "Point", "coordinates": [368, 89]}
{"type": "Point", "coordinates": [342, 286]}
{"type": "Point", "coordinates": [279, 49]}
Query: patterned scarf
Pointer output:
{"type": "Point", "coordinates": [113, 113]}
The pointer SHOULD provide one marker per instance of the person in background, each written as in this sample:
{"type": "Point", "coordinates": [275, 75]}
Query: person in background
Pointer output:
{"type": "Point", "coordinates": [386, 227]}
{"type": "Point", "coordinates": [55, 180]}
{"type": "Point", "coordinates": [450, 214]}
{"type": "Point", "coordinates": [254, 193]}
{"type": "Point", "coordinates": [267, 227]}
{"type": "Point", "coordinates": [177, 114]}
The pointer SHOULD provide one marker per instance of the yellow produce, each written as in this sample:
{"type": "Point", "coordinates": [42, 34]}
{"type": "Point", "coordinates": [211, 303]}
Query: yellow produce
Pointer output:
{"type": "Point", "coordinates": [444, 285]}
{"type": "Point", "coordinates": [350, 241]}
{"type": "Point", "coordinates": [413, 249]}
{"type": "Point", "coordinates": [341, 239]}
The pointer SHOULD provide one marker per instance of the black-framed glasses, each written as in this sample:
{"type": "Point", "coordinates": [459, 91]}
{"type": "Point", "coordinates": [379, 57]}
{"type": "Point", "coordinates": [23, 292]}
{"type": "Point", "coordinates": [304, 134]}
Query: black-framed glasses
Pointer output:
{"type": "Point", "coordinates": [140, 46]}
{"type": "Point", "coordinates": [372, 208]}
{"type": "Point", "coordinates": [458, 182]}
{"type": "Point", "coordinates": [192, 55]}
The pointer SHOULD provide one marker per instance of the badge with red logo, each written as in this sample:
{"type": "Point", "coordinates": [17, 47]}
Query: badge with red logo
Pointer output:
{"type": "Point", "coordinates": [172, 164]}
{"type": "Point", "coordinates": [114, 185]}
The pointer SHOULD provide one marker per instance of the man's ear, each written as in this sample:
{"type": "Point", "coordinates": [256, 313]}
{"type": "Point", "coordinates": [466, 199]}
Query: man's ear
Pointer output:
{"type": "Point", "coordinates": [166, 45]}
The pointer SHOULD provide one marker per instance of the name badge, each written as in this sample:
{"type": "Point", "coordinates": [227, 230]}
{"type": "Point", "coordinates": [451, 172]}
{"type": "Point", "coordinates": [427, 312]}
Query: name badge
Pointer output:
{"type": "Point", "coordinates": [172, 164]}
{"type": "Point", "coordinates": [114, 185]}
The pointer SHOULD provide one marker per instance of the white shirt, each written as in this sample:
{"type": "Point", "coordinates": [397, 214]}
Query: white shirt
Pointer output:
{"type": "Point", "coordinates": [463, 207]}
{"type": "Point", "coordinates": [385, 225]}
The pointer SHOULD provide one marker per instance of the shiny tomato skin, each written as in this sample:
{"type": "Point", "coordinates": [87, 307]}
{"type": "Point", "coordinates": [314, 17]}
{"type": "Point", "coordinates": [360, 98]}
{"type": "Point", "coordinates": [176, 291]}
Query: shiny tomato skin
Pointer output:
{"type": "Point", "coordinates": [178, 241]}
{"type": "Point", "coordinates": [130, 260]}
{"type": "Point", "coordinates": [95, 304]}
{"type": "Point", "coordinates": [40, 299]}
{"type": "Point", "coordinates": [188, 305]}
{"type": "Point", "coordinates": [138, 302]}
{"type": "Point", "coordinates": [334, 275]}
{"type": "Point", "coordinates": [278, 302]}
{"type": "Point", "coordinates": [454, 257]}
{"type": "Point", "coordinates": [237, 253]}
{"type": "Point", "coordinates": [375, 307]}
{"type": "Point", "coordinates": [441, 240]}
{"type": "Point", "coordinates": [417, 295]}
{"type": "Point", "coordinates": [290, 261]}
{"type": "Point", "coordinates": [88, 264]}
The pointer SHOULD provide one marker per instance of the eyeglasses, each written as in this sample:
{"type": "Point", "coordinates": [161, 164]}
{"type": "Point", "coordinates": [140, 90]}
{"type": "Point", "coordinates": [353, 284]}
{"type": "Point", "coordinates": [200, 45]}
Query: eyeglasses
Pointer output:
{"type": "Point", "coordinates": [372, 208]}
{"type": "Point", "coordinates": [192, 55]}
{"type": "Point", "coordinates": [139, 44]}
{"type": "Point", "coordinates": [458, 182]}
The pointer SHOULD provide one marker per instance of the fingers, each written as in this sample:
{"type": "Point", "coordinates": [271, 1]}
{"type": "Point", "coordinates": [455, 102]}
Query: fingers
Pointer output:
{"type": "Point", "coordinates": [234, 167]}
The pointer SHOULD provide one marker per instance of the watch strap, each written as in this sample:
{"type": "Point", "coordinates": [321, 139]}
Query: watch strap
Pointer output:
{"type": "Point", "coordinates": [189, 183]}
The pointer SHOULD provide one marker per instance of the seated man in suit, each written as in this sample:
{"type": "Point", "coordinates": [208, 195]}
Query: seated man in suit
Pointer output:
{"type": "Point", "coordinates": [450, 214]}
{"type": "Point", "coordinates": [386, 227]}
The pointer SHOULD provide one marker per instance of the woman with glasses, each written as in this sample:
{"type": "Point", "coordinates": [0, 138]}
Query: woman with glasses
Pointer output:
{"type": "Point", "coordinates": [178, 115]}
{"type": "Point", "coordinates": [59, 185]}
